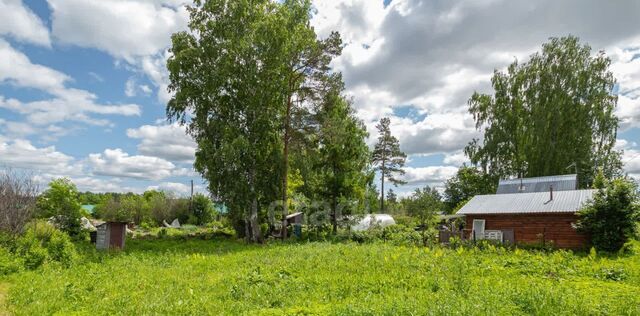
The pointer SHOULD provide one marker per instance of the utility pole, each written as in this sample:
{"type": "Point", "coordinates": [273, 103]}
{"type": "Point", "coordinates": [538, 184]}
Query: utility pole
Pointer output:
{"type": "Point", "coordinates": [191, 199]}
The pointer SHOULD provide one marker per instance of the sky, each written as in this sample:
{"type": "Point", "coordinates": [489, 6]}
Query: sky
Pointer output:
{"type": "Point", "coordinates": [83, 83]}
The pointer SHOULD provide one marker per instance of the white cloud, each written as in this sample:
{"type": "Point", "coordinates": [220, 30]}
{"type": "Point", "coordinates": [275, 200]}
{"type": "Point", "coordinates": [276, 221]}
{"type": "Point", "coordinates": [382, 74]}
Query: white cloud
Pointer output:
{"type": "Point", "coordinates": [137, 31]}
{"type": "Point", "coordinates": [182, 189]}
{"type": "Point", "coordinates": [630, 157]}
{"type": "Point", "coordinates": [20, 153]}
{"type": "Point", "coordinates": [456, 159]}
{"type": "Point", "coordinates": [170, 142]}
{"type": "Point", "coordinates": [130, 88]}
{"type": "Point", "coordinates": [443, 132]}
{"type": "Point", "coordinates": [17, 69]}
{"type": "Point", "coordinates": [428, 175]}
{"type": "Point", "coordinates": [145, 89]}
{"type": "Point", "coordinates": [19, 22]}
{"type": "Point", "coordinates": [123, 28]}
{"type": "Point", "coordinates": [103, 185]}
{"type": "Point", "coordinates": [67, 103]}
{"type": "Point", "coordinates": [626, 68]}
{"type": "Point", "coordinates": [434, 54]}
{"type": "Point", "coordinates": [117, 163]}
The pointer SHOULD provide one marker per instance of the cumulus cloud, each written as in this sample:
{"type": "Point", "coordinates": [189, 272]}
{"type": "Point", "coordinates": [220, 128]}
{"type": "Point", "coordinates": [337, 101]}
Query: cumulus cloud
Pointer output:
{"type": "Point", "coordinates": [126, 28]}
{"type": "Point", "coordinates": [432, 175]}
{"type": "Point", "coordinates": [182, 189]}
{"type": "Point", "coordinates": [117, 163]}
{"type": "Point", "coordinates": [104, 185]}
{"type": "Point", "coordinates": [137, 31]}
{"type": "Point", "coordinates": [67, 103]}
{"type": "Point", "coordinates": [170, 142]}
{"type": "Point", "coordinates": [456, 159]}
{"type": "Point", "coordinates": [434, 54]}
{"type": "Point", "coordinates": [19, 22]}
{"type": "Point", "coordinates": [20, 153]}
{"type": "Point", "coordinates": [626, 68]}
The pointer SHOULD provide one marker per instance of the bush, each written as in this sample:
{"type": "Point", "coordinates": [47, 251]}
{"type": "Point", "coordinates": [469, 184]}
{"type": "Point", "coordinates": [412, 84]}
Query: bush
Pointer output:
{"type": "Point", "coordinates": [610, 219]}
{"type": "Point", "coordinates": [42, 242]}
{"type": "Point", "coordinates": [8, 262]}
{"type": "Point", "coordinates": [29, 248]}
{"type": "Point", "coordinates": [17, 201]}
{"type": "Point", "coordinates": [61, 203]}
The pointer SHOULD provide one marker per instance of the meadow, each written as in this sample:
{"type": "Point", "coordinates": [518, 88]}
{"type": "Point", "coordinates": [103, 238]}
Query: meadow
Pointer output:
{"type": "Point", "coordinates": [193, 276]}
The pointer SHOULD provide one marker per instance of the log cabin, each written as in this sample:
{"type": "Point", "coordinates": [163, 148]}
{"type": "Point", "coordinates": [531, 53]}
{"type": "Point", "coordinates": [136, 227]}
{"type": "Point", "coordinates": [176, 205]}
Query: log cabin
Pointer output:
{"type": "Point", "coordinates": [529, 211]}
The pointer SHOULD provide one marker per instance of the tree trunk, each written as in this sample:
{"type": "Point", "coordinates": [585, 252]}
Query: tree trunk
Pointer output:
{"type": "Point", "coordinates": [334, 219]}
{"type": "Point", "coordinates": [254, 227]}
{"type": "Point", "coordinates": [382, 188]}
{"type": "Point", "coordinates": [285, 180]}
{"type": "Point", "coordinates": [256, 234]}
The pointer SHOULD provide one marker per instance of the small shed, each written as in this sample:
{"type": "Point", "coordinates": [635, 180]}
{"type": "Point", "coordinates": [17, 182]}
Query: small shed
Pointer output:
{"type": "Point", "coordinates": [111, 235]}
{"type": "Point", "coordinates": [296, 220]}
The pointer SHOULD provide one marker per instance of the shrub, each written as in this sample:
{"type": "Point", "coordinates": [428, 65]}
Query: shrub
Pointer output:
{"type": "Point", "coordinates": [61, 203]}
{"type": "Point", "coordinates": [610, 219]}
{"type": "Point", "coordinates": [17, 201]}
{"type": "Point", "coordinates": [8, 262]}
{"type": "Point", "coordinates": [42, 242]}
{"type": "Point", "coordinates": [28, 247]}
{"type": "Point", "coordinates": [61, 249]}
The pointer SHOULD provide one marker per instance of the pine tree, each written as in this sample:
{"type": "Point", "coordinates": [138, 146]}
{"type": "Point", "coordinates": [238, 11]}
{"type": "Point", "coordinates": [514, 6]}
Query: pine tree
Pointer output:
{"type": "Point", "coordinates": [387, 157]}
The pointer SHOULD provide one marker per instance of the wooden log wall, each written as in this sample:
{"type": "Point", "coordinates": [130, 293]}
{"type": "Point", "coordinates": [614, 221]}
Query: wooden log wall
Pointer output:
{"type": "Point", "coordinates": [536, 228]}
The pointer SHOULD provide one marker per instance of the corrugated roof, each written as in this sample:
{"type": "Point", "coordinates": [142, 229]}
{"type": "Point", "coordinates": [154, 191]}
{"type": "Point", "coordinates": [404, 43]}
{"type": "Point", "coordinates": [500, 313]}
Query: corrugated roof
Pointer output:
{"type": "Point", "coordinates": [524, 203]}
{"type": "Point", "coordinates": [538, 184]}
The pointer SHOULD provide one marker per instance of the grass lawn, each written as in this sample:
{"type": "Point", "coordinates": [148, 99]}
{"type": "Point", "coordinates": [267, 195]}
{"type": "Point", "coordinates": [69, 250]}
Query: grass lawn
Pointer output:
{"type": "Point", "coordinates": [3, 294]}
{"type": "Point", "coordinates": [226, 277]}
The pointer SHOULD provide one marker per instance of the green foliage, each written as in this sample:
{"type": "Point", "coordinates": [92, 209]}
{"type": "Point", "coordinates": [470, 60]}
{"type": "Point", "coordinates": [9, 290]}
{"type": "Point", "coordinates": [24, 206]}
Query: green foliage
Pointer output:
{"type": "Point", "coordinates": [322, 278]}
{"type": "Point", "coordinates": [9, 263]}
{"type": "Point", "coordinates": [203, 209]}
{"type": "Point", "coordinates": [387, 157]}
{"type": "Point", "coordinates": [343, 156]}
{"type": "Point", "coordinates": [425, 205]}
{"type": "Point", "coordinates": [60, 201]}
{"type": "Point", "coordinates": [467, 183]}
{"type": "Point", "coordinates": [228, 71]}
{"type": "Point", "coordinates": [611, 218]}
{"type": "Point", "coordinates": [40, 243]}
{"type": "Point", "coordinates": [552, 112]}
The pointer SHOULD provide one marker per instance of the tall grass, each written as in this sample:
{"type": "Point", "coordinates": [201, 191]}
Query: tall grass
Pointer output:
{"type": "Point", "coordinates": [225, 277]}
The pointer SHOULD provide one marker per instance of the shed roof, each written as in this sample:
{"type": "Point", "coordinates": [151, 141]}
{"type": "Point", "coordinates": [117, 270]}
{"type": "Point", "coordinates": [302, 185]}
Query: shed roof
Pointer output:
{"type": "Point", "coordinates": [538, 184]}
{"type": "Point", "coordinates": [526, 203]}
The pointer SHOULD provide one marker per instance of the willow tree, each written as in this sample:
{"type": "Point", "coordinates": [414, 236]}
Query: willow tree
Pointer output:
{"type": "Point", "coordinates": [553, 114]}
{"type": "Point", "coordinates": [225, 74]}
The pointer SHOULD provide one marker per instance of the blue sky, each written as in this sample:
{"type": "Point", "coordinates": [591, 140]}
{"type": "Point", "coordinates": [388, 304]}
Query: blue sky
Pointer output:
{"type": "Point", "coordinates": [83, 83]}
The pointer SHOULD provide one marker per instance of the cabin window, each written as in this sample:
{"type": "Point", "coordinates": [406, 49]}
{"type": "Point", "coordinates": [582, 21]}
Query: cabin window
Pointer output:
{"type": "Point", "coordinates": [478, 228]}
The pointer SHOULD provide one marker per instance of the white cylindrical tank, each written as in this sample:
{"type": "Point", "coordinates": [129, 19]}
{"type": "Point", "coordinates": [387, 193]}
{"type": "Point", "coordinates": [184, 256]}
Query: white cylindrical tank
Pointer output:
{"type": "Point", "coordinates": [371, 220]}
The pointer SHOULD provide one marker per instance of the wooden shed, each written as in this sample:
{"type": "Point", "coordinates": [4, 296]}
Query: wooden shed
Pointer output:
{"type": "Point", "coordinates": [111, 235]}
{"type": "Point", "coordinates": [539, 217]}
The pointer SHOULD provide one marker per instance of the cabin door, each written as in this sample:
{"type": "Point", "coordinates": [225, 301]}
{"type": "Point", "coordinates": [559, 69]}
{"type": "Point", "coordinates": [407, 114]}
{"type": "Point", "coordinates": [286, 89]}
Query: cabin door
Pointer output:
{"type": "Point", "coordinates": [116, 234]}
{"type": "Point", "coordinates": [478, 228]}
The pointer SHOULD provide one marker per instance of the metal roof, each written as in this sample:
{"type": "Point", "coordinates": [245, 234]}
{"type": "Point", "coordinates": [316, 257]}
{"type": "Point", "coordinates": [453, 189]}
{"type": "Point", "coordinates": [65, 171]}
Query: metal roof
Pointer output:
{"type": "Point", "coordinates": [538, 184]}
{"type": "Point", "coordinates": [526, 203]}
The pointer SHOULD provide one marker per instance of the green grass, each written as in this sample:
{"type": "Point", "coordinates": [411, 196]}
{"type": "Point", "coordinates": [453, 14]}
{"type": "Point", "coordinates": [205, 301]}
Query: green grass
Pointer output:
{"type": "Point", "coordinates": [225, 277]}
{"type": "Point", "coordinates": [3, 294]}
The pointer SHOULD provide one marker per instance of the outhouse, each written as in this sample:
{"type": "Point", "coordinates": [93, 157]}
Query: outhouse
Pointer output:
{"type": "Point", "coordinates": [111, 235]}
{"type": "Point", "coordinates": [296, 220]}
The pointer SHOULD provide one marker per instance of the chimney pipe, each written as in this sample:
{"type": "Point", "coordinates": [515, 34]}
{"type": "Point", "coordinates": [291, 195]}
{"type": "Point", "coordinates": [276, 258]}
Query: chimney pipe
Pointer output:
{"type": "Point", "coordinates": [551, 192]}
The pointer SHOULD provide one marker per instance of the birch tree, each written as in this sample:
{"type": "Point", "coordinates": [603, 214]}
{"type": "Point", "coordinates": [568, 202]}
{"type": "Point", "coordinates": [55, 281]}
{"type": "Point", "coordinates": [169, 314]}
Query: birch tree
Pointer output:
{"type": "Point", "coordinates": [553, 114]}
